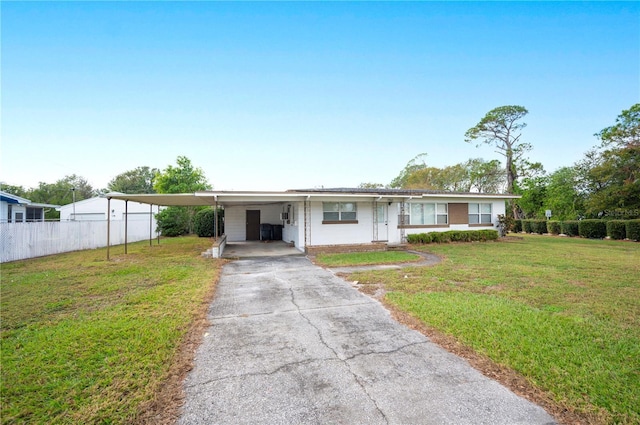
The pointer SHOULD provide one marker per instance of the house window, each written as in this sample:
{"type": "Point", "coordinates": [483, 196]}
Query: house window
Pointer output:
{"type": "Point", "coordinates": [339, 211]}
{"type": "Point", "coordinates": [428, 213]}
{"type": "Point", "coordinates": [479, 213]}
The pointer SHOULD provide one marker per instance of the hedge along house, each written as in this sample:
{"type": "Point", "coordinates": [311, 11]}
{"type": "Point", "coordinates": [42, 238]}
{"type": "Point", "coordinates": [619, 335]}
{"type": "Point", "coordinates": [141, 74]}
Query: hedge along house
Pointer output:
{"type": "Point", "coordinates": [343, 219]}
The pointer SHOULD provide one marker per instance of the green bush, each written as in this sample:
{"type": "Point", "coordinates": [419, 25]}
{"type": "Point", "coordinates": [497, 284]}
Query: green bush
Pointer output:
{"type": "Point", "coordinates": [554, 227]}
{"type": "Point", "coordinates": [592, 229]}
{"type": "Point", "coordinates": [527, 226]}
{"type": "Point", "coordinates": [204, 223]}
{"type": "Point", "coordinates": [633, 229]}
{"type": "Point", "coordinates": [173, 221]}
{"type": "Point", "coordinates": [517, 226]}
{"type": "Point", "coordinates": [453, 236]}
{"type": "Point", "coordinates": [570, 227]}
{"type": "Point", "coordinates": [539, 226]}
{"type": "Point", "coordinates": [616, 229]}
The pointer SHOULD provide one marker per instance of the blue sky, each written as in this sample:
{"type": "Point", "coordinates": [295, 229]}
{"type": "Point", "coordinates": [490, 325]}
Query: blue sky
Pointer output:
{"type": "Point", "coordinates": [271, 96]}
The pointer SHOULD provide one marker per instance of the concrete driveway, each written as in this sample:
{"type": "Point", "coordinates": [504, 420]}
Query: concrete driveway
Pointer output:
{"type": "Point", "coordinates": [291, 343]}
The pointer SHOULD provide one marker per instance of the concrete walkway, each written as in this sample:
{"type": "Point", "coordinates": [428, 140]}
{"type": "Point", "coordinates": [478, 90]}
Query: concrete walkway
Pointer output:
{"type": "Point", "coordinates": [291, 343]}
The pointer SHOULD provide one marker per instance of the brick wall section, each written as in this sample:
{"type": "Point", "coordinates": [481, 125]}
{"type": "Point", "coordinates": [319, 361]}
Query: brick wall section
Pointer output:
{"type": "Point", "coordinates": [317, 249]}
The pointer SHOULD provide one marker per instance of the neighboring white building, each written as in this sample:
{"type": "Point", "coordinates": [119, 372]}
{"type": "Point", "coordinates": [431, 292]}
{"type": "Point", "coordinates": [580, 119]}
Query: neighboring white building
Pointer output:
{"type": "Point", "coordinates": [14, 209]}
{"type": "Point", "coordinates": [95, 209]}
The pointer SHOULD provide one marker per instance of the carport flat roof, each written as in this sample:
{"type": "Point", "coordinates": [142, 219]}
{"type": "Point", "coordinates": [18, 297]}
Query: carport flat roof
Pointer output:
{"type": "Point", "coordinates": [212, 198]}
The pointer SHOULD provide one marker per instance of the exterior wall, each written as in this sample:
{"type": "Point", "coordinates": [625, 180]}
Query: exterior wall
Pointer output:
{"type": "Point", "coordinates": [235, 225]}
{"type": "Point", "coordinates": [4, 212]}
{"type": "Point", "coordinates": [294, 228]}
{"type": "Point", "coordinates": [95, 209]}
{"type": "Point", "coordinates": [343, 233]}
{"type": "Point", "coordinates": [497, 208]}
{"type": "Point", "coordinates": [311, 231]}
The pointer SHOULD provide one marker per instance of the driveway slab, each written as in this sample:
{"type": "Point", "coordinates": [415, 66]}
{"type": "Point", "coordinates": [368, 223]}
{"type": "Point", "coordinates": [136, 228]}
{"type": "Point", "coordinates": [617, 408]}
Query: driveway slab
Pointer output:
{"type": "Point", "coordinates": [291, 343]}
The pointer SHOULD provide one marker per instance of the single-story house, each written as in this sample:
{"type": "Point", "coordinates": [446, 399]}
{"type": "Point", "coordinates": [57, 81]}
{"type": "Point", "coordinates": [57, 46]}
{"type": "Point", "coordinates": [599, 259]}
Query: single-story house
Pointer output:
{"type": "Point", "coordinates": [315, 218]}
{"type": "Point", "coordinates": [15, 209]}
{"type": "Point", "coordinates": [95, 209]}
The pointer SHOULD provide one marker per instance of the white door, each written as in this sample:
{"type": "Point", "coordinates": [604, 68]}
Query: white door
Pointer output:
{"type": "Point", "coordinates": [382, 222]}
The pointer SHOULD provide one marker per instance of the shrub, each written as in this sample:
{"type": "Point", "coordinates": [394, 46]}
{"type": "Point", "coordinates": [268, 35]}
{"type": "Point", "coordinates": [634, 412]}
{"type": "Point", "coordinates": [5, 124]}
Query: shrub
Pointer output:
{"type": "Point", "coordinates": [487, 235]}
{"type": "Point", "coordinates": [173, 221]}
{"type": "Point", "coordinates": [517, 226]}
{"type": "Point", "coordinates": [633, 229]}
{"type": "Point", "coordinates": [616, 229]}
{"type": "Point", "coordinates": [570, 227]}
{"type": "Point", "coordinates": [453, 236]}
{"type": "Point", "coordinates": [539, 226]}
{"type": "Point", "coordinates": [593, 229]}
{"type": "Point", "coordinates": [440, 237]}
{"type": "Point", "coordinates": [554, 227]}
{"type": "Point", "coordinates": [204, 223]}
{"type": "Point", "coordinates": [527, 226]}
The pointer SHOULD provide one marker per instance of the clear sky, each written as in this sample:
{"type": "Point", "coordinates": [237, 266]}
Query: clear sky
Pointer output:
{"type": "Point", "coordinates": [272, 96]}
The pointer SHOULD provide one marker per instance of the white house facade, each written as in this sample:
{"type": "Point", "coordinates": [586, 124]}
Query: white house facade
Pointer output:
{"type": "Point", "coordinates": [314, 218]}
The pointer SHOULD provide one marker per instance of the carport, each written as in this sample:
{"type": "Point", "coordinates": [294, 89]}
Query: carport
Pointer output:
{"type": "Point", "coordinates": [221, 199]}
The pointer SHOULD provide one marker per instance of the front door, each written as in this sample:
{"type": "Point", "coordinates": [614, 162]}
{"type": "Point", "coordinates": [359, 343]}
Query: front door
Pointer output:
{"type": "Point", "coordinates": [382, 222]}
{"type": "Point", "coordinates": [253, 225]}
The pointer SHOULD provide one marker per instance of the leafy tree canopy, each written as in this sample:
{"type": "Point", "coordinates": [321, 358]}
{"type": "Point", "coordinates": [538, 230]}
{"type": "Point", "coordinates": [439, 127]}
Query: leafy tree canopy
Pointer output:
{"type": "Point", "coordinates": [501, 127]}
{"type": "Point", "coordinates": [14, 190]}
{"type": "Point", "coordinates": [138, 180]}
{"type": "Point", "coordinates": [625, 133]}
{"type": "Point", "coordinates": [417, 163]}
{"type": "Point", "coordinates": [62, 191]}
{"type": "Point", "coordinates": [183, 178]}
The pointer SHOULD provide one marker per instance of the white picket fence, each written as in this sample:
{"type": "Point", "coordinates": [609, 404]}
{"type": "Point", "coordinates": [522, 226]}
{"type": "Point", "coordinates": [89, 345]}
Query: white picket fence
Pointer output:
{"type": "Point", "coordinates": [20, 241]}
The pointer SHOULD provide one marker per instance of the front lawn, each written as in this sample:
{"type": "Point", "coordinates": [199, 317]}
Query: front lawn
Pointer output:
{"type": "Point", "coordinates": [564, 313]}
{"type": "Point", "coordinates": [90, 341]}
{"type": "Point", "coordinates": [365, 258]}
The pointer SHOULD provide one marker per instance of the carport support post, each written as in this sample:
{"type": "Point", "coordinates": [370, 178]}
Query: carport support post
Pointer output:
{"type": "Point", "coordinates": [215, 221]}
{"type": "Point", "coordinates": [108, 226]}
{"type": "Point", "coordinates": [150, 224]}
{"type": "Point", "coordinates": [126, 222]}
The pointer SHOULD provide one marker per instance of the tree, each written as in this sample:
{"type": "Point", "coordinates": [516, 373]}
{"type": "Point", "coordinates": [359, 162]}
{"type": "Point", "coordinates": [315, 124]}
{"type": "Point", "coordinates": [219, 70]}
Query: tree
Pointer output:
{"type": "Point", "coordinates": [185, 178]}
{"type": "Point", "coordinates": [626, 131]}
{"type": "Point", "coordinates": [454, 178]}
{"type": "Point", "coordinates": [610, 174]}
{"type": "Point", "coordinates": [563, 197]}
{"type": "Point", "coordinates": [485, 176]}
{"type": "Point", "coordinates": [14, 190]}
{"type": "Point", "coordinates": [62, 192]}
{"type": "Point", "coordinates": [417, 163]}
{"type": "Point", "coordinates": [138, 180]}
{"type": "Point", "coordinates": [370, 185]}
{"type": "Point", "coordinates": [533, 192]}
{"type": "Point", "coordinates": [501, 127]}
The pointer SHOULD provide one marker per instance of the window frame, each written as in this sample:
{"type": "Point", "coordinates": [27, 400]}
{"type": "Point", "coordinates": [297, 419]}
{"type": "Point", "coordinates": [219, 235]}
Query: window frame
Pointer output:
{"type": "Point", "coordinates": [435, 217]}
{"type": "Point", "coordinates": [344, 215]}
{"type": "Point", "coordinates": [480, 214]}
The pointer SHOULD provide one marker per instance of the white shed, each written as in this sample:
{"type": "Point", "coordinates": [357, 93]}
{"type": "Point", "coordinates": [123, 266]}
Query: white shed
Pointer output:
{"type": "Point", "coordinates": [95, 209]}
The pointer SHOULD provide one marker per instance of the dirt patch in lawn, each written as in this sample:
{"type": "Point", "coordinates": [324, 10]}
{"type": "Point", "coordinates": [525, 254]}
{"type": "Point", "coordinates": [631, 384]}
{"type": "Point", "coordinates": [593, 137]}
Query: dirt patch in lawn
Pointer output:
{"type": "Point", "coordinates": [502, 374]}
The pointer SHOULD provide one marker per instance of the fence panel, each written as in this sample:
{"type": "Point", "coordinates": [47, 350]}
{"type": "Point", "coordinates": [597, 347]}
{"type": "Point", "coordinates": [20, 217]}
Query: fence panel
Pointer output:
{"type": "Point", "coordinates": [28, 240]}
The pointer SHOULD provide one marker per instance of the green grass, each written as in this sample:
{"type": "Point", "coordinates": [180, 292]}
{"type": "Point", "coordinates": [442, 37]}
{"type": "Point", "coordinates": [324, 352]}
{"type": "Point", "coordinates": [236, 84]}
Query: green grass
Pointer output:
{"type": "Point", "coordinates": [365, 258]}
{"type": "Point", "coordinates": [89, 341]}
{"type": "Point", "coordinates": [565, 313]}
